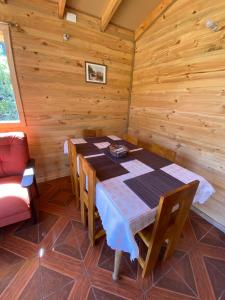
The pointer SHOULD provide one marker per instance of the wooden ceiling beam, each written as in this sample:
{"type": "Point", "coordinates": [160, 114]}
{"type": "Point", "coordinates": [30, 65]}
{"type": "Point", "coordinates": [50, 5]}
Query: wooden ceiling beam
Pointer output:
{"type": "Point", "coordinates": [61, 8]}
{"type": "Point", "coordinates": [108, 13]}
{"type": "Point", "coordinates": [154, 14]}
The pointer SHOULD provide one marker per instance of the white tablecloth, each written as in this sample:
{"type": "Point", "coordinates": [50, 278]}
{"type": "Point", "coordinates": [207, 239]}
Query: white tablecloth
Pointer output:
{"type": "Point", "coordinates": [123, 213]}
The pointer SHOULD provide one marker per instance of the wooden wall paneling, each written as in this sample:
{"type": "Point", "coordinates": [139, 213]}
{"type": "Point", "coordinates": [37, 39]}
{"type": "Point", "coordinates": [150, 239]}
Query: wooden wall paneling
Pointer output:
{"type": "Point", "coordinates": [178, 96]}
{"type": "Point", "coordinates": [57, 101]}
{"type": "Point", "coordinates": [152, 17]}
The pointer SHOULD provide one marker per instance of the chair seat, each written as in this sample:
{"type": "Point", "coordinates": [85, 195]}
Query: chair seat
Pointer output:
{"type": "Point", "coordinates": [14, 200]}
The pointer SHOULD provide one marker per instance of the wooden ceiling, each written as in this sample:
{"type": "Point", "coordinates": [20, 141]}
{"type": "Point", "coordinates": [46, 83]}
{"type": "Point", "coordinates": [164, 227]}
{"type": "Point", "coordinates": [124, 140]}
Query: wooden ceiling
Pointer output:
{"type": "Point", "coordinates": [129, 13]}
{"type": "Point", "coordinates": [135, 15]}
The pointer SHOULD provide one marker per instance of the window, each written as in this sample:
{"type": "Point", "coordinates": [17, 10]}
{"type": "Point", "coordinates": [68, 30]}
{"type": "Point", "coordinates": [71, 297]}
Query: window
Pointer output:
{"type": "Point", "coordinates": [11, 110]}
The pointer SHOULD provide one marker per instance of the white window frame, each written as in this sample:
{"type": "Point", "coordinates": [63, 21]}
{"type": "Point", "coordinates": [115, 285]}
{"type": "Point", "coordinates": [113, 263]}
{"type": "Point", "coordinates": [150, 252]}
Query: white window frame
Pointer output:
{"type": "Point", "coordinates": [4, 27]}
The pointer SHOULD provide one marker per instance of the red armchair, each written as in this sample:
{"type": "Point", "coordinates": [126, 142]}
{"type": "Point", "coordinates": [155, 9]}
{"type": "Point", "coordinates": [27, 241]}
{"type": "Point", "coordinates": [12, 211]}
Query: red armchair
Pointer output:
{"type": "Point", "coordinates": [17, 180]}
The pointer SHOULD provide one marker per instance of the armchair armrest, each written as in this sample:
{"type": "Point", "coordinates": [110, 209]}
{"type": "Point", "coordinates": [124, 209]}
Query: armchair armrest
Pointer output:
{"type": "Point", "coordinates": [28, 174]}
{"type": "Point", "coordinates": [27, 181]}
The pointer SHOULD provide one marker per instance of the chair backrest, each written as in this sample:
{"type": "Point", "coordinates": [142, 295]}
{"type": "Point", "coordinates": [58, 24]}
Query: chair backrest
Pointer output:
{"type": "Point", "coordinates": [158, 149]}
{"type": "Point", "coordinates": [172, 212]}
{"type": "Point", "coordinates": [144, 145]}
{"type": "Point", "coordinates": [131, 139]}
{"type": "Point", "coordinates": [87, 183]}
{"type": "Point", "coordinates": [162, 151]}
{"type": "Point", "coordinates": [14, 153]}
{"type": "Point", "coordinates": [92, 132]}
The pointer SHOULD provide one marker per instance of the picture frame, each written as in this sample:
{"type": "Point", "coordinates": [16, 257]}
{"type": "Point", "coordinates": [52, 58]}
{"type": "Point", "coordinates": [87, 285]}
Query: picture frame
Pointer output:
{"type": "Point", "coordinates": [95, 73]}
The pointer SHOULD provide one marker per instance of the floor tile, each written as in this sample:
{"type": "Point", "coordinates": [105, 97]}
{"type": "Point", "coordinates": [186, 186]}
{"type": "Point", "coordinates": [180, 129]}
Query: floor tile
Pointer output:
{"type": "Point", "coordinates": [54, 259]}
{"type": "Point", "coordinates": [73, 241]}
{"type": "Point", "coordinates": [33, 289]}
{"type": "Point", "coordinates": [63, 294]}
{"type": "Point", "coordinates": [127, 267]}
{"type": "Point", "coordinates": [36, 232]}
{"type": "Point", "coordinates": [7, 230]}
{"type": "Point", "coordinates": [63, 264]}
{"type": "Point", "coordinates": [199, 225]}
{"type": "Point", "coordinates": [53, 281]}
{"type": "Point", "coordinates": [44, 283]}
{"type": "Point", "coordinates": [174, 282]}
{"type": "Point", "coordinates": [57, 191]}
{"type": "Point", "coordinates": [214, 237]}
{"type": "Point", "coordinates": [10, 264]}
{"type": "Point", "coordinates": [97, 294]}
{"type": "Point", "coordinates": [216, 272]}
{"type": "Point", "coordinates": [61, 197]}
{"type": "Point", "coordinates": [163, 267]}
{"type": "Point", "coordinates": [156, 293]}
{"type": "Point", "coordinates": [185, 270]}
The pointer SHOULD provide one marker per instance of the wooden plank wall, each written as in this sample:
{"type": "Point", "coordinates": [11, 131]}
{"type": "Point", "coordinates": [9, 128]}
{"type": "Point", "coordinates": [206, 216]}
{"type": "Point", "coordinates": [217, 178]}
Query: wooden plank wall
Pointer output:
{"type": "Point", "coordinates": [178, 95]}
{"type": "Point", "coordinates": [57, 101]}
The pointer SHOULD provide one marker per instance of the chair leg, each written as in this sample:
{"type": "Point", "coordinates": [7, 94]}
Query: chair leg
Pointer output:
{"type": "Point", "coordinates": [171, 246]}
{"type": "Point", "coordinates": [77, 194]}
{"type": "Point", "coordinates": [83, 212]}
{"type": "Point", "coordinates": [36, 187]}
{"type": "Point", "coordinates": [169, 249]}
{"type": "Point", "coordinates": [91, 226]}
{"type": "Point", "coordinates": [73, 186]}
{"type": "Point", "coordinates": [1, 233]}
{"type": "Point", "coordinates": [151, 259]}
{"type": "Point", "coordinates": [34, 207]}
{"type": "Point", "coordinates": [173, 241]}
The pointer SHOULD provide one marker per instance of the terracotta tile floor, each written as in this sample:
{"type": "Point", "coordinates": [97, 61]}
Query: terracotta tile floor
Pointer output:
{"type": "Point", "coordinates": [53, 259]}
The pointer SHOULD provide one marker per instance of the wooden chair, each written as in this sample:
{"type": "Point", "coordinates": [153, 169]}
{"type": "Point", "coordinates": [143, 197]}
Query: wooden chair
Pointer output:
{"type": "Point", "coordinates": [162, 151]}
{"type": "Point", "coordinates": [92, 132]}
{"type": "Point", "coordinates": [72, 155]}
{"type": "Point", "coordinates": [168, 225]}
{"type": "Point", "coordinates": [158, 149]}
{"type": "Point", "coordinates": [144, 145]}
{"type": "Point", "coordinates": [131, 139]}
{"type": "Point", "coordinates": [87, 197]}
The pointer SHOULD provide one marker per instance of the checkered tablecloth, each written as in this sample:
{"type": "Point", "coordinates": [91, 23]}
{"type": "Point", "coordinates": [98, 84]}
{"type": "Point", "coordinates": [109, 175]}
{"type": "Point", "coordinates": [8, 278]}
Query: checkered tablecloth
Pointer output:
{"type": "Point", "coordinates": [129, 188]}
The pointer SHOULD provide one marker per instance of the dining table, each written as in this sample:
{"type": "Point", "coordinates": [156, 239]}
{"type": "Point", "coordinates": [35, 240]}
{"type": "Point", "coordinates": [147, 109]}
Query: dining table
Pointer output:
{"type": "Point", "coordinates": [128, 189]}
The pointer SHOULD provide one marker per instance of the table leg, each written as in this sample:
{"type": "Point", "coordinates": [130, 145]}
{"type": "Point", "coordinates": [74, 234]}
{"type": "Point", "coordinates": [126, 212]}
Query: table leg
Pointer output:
{"type": "Point", "coordinates": [118, 255]}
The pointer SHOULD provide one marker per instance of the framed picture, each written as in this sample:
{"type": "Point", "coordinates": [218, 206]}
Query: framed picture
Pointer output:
{"type": "Point", "coordinates": [95, 73]}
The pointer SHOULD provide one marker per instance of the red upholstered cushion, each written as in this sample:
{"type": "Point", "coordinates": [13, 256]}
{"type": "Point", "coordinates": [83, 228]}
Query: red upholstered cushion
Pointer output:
{"type": "Point", "coordinates": [14, 199]}
{"type": "Point", "coordinates": [14, 153]}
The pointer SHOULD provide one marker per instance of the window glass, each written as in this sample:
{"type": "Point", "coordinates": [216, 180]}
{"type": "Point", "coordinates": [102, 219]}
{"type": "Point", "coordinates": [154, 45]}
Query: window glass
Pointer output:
{"type": "Point", "coordinates": [8, 107]}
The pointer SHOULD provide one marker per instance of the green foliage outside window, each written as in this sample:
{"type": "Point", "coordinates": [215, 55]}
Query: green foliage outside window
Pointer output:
{"type": "Point", "coordinates": [8, 109]}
